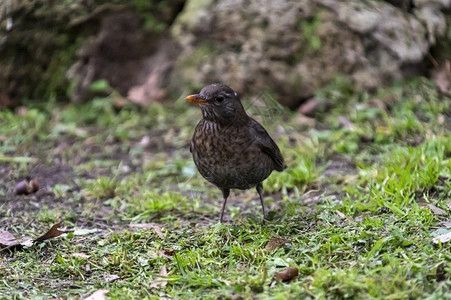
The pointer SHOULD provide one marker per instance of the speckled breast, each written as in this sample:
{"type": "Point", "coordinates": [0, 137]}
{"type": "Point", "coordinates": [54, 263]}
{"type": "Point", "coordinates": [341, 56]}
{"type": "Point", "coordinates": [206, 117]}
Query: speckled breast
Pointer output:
{"type": "Point", "coordinates": [228, 157]}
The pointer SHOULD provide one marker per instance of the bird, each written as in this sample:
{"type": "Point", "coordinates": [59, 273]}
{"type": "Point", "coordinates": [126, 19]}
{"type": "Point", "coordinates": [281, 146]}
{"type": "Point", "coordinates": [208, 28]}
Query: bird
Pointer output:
{"type": "Point", "coordinates": [229, 148]}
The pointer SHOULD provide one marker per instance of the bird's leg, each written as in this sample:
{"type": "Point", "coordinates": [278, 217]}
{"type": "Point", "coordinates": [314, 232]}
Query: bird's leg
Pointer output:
{"type": "Point", "coordinates": [225, 194]}
{"type": "Point", "coordinates": [260, 192]}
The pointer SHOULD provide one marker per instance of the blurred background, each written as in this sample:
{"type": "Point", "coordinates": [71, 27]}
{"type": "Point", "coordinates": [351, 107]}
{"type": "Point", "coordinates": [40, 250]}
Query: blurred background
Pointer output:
{"type": "Point", "coordinates": [95, 132]}
{"type": "Point", "coordinates": [150, 51]}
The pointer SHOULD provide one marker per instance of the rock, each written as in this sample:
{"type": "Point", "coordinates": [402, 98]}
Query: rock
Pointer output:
{"type": "Point", "coordinates": [57, 50]}
{"type": "Point", "coordinates": [133, 61]}
{"type": "Point", "coordinates": [38, 43]}
{"type": "Point", "coordinates": [153, 50]}
{"type": "Point", "coordinates": [292, 48]}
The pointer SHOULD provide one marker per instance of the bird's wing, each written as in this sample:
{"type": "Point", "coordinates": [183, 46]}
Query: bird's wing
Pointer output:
{"type": "Point", "coordinates": [267, 144]}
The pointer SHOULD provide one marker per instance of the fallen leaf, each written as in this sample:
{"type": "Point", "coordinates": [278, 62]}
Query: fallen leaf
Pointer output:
{"type": "Point", "coordinates": [342, 215]}
{"type": "Point", "coordinates": [85, 231]}
{"type": "Point", "coordinates": [158, 231]}
{"type": "Point", "coordinates": [110, 277]}
{"type": "Point", "coordinates": [275, 242]}
{"type": "Point", "coordinates": [26, 241]}
{"type": "Point", "coordinates": [7, 239]}
{"type": "Point", "coordinates": [143, 225]}
{"type": "Point", "coordinates": [167, 253]}
{"type": "Point", "coordinates": [152, 254]}
{"type": "Point", "coordinates": [147, 226]}
{"type": "Point", "coordinates": [442, 238]}
{"type": "Point", "coordinates": [155, 226]}
{"type": "Point", "coordinates": [80, 255]}
{"type": "Point", "coordinates": [359, 218]}
{"type": "Point", "coordinates": [287, 274]}
{"type": "Point", "coordinates": [436, 210]}
{"type": "Point", "coordinates": [159, 281]}
{"type": "Point", "coordinates": [53, 232]}
{"type": "Point", "coordinates": [440, 231]}
{"type": "Point", "coordinates": [98, 295]}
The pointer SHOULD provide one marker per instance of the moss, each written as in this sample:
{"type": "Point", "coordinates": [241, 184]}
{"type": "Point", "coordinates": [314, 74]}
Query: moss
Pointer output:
{"type": "Point", "coordinates": [309, 31]}
{"type": "Point", "coordinates": [312, 41]}
{"type": "Point", "coordinates": [157, 15]}
{"type": "Point", "coordinates": [201, 56]}
{"type": "Point", "coordinates": [54, 83]}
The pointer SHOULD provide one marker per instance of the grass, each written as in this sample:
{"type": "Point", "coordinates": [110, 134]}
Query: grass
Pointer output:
{"type": "Point", "coordinates": [367, 189]}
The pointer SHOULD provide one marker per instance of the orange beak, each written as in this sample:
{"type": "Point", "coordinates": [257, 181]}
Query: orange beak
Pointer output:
{"type": "Point", "coordinates": [196, 99]}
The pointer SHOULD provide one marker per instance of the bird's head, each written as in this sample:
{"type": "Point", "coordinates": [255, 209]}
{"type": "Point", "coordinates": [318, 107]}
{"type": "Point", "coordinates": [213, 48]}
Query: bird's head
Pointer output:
{"type": "Point", "coordinates": [219, 103]}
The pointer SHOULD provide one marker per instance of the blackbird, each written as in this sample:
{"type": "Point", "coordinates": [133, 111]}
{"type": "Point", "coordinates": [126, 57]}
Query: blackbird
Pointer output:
{"type": "Point", "coordinates": [230, 149]}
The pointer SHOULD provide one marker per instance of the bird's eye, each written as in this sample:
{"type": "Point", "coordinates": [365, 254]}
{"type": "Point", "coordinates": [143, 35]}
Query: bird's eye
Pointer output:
{"type": "Point", "coordinates": [219, 99]}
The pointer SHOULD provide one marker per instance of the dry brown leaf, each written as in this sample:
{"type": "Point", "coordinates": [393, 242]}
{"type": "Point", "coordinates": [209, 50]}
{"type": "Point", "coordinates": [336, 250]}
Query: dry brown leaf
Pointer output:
{"type": "Point", "coordinates": [53, 232]}
{"type": "Point", "coordinates": [287, 274]}
{"type": "Point", "coordinates": [7, 239]}
{"type": "Point", "coordinates": [164, 253]}
{"type": "Point", "coordinates": [158, 231]}
{"type": "Point", "coordinates": [436, 210]}
{"type": "Point", "coordinates": [98, 295]}
{"type": "Point", "coordinates": [159, 281]}
{"type": "Point", "coordinates": [167, 253]}
{"type": "Point", "coordinates": [155, 226]}
{"type": "Point", "coordinates": [275, 242]}
{"type": "Point", "coordinates": [110, 277]}
{"type": "Point", "coordinates": [342, 215]}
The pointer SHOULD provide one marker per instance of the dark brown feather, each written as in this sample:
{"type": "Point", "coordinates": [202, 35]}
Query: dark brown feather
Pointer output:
{"type": "Point", "coordinates": [229, 148]}
{"type": "Point", "coordinates": [267, 144]}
